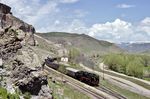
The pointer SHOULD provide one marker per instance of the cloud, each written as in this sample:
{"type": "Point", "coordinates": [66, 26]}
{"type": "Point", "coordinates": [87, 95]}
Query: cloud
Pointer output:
{"type": "Point", "coordinates": [121, 31]}
{"type": "Point", "coordinates": [145, 25]}
{"type": "Point", "coordinates": [49, 16]}
{"type": "Point", "coordinates": [115, 30]}
{"type": "Point", "coordinates": [124, 6]}
{"type": "Point", "coordinates": [68, 1]}
{"type": "Point", "coordinates": [74, 26]}
{"type": "Point", "coordinates": [37, 12]}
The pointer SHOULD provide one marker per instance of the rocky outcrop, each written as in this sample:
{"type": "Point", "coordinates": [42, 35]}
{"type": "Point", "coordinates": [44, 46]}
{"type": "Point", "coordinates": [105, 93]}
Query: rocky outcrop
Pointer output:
{"type": "Point", "coordinates": [9, 43]}
{"type": "Point", "coordinates": [4, 9]}
{"type": "Point", "coordinates": [8, 20]}
{"type": "Point", "coordinates": [14, 33]}
{"type": "Point", "coordinates": [32, 80]}
{"type": "Point", "coordinates": [20, 61]}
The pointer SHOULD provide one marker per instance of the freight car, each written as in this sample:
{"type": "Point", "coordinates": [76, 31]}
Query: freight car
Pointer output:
{"type": "Point", "coordinates": [50, 62]}
{"type": "Point", "coordinates": [84, 76]}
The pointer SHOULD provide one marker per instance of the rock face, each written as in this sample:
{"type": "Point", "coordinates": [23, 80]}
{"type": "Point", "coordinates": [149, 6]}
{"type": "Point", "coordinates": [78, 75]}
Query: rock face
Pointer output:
{"type": "Point", "coordinates": [8, 20]}
{"type": "Point", "coordinates": [32, 80]}
{"type": "Point", "coordinates": [4, 9]}
{"type": "Point", "coordinates": [9, 43]}
{"type": "Point", "coordinates": [14, 33]}
{"type": "Point", "coordinates": [20, 61]}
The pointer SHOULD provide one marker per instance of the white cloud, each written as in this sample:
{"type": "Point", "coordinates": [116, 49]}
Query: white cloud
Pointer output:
{"type": "Point", "coordinates": [68, 1]}
{"type": "Point", "coordinates": [48, 17]}
{"type": "Point", "coordinates": [125, 6]}
{"type": "Point", "coordinates": [145, 25]}
{"type": "Point", "coordinates": [112, 30]}
{"type": "Point", "coordinates": [75, 26]}
{"type": "Point", "coordinates": [35, 13]}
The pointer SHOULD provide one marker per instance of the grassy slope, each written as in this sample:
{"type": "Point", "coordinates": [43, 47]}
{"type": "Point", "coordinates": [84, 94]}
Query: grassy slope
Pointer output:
{"type": "Point", "coordinates": [83, 42]}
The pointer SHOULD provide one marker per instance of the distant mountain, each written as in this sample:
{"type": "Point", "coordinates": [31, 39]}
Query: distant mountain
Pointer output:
{"type": "Point", "coordinates": [82, 42]}
{"type": "Point", "coordinates": [136, 47]}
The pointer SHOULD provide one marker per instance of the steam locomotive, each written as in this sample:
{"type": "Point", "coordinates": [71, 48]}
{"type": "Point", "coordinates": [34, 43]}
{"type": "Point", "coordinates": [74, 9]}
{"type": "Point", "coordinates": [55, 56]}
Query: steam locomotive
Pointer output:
{"type": "Point", "coordinates": [83, 76]}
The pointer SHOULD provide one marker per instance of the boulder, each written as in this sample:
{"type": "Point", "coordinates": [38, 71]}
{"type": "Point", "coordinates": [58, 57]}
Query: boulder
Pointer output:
{"type": "Point", "coordinates": [32, 85]}
{"type": "Point", "coordinates": [30, 80]}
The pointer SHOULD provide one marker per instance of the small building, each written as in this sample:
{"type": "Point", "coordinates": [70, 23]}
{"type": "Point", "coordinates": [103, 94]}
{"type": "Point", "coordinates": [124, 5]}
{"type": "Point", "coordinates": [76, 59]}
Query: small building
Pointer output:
{"type": "Point", "coordinates": [64, 59]}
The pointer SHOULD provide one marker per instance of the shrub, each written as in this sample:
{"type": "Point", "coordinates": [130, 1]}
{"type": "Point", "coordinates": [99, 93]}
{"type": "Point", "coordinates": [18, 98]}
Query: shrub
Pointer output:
{"type": "Point", "coordinates": [3, 93]}
{"type": "Point", "coordinates": [127, 63]}
{"type": "Point", "coordinates": [135, 68]}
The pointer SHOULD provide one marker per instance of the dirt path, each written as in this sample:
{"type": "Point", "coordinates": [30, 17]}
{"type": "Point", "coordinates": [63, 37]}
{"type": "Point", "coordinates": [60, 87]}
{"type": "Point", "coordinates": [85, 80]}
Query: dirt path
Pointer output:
{"type": "Point", "coordinates": [122, 83]}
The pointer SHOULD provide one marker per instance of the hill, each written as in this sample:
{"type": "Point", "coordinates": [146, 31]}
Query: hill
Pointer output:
{"type": "Point", "coordinates": [82, 42]}
{"type": "Point", "coordinates": [136, 47]}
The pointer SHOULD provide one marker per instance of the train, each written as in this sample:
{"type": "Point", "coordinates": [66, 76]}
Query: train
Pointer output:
{"type": "Point", "coordinates": [83, 76]}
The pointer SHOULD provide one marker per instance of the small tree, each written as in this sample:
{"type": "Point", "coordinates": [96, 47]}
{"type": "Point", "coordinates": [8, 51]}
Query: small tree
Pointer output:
{"type": "Point", "coordinates": [135, 68]}
{"type": "Point", "coordinates": [73, 53]}
{"type": "Point", "coordinates": [145, 60]}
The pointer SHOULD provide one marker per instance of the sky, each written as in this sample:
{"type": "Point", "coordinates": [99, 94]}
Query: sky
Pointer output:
{"type": "Point", "coordinates": [111, 20]}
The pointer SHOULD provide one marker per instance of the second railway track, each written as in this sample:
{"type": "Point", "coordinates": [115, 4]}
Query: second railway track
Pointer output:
{"type": "Point", "coordinates": [111, 92]}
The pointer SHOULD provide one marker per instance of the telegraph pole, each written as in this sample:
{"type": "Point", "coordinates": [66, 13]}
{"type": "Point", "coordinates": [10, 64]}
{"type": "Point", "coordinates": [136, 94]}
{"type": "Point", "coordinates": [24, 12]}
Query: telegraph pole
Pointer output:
{"type": "Point", "coordinates": [103, 71]}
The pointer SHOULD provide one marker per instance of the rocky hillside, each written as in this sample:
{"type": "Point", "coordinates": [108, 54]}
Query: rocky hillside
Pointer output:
{"type": "Point", "coordinates": [136, 47]}
{"type": "Point", "coordinates": [21, 68]}
{"type": "Point", "coordinates": [82, 42]}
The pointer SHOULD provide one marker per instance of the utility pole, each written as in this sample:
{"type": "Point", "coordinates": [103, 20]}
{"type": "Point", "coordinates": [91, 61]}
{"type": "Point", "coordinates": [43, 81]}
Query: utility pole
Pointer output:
{"type": "Point", "coordinates": [103, 71]}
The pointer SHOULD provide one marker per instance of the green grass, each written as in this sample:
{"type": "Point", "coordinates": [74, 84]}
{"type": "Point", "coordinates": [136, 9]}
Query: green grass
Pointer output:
{"type": "Point", "coordinates": [6, 95]}
{"type": "Point", "coordinates": [148, 79]}
{"type": "Point", "coordinates": [67, 91]}
{"type": "Point", "coordinates": [126, 93]}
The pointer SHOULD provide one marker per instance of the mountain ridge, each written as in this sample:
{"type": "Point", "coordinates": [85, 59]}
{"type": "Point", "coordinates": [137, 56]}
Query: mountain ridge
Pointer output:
{"type": "Point", "coordinates": [136, 47]}
{"type": "Point", "coordinates": [83, 42]}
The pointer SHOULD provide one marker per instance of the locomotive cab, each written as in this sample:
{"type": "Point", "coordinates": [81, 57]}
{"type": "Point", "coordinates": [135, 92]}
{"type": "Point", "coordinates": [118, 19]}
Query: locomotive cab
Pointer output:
{"type": "Point", "coordinates": [88, 78]}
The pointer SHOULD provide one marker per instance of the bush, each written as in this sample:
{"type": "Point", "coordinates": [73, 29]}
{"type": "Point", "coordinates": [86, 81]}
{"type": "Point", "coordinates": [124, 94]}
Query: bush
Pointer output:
{"type": "Point", "coordinates": [128, 64]}
{"type": "Point", "coordinates": [135, 68]}
{"type": "Point", "coordinates": [73, 53]}
{"type": "Point", "coordinates": [5, 95]}
{"type": "Point", "coordinates": [116, 62]}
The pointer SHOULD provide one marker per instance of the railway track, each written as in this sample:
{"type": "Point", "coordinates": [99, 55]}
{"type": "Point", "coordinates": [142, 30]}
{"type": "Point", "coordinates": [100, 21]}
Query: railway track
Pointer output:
{"type": "Point", "coordinates": [86, 91]}
{"type": "Point", "coordinates": [89, 92]}
{"type": "Point", "coordinates": [111, 92]}
{"type": "Point", "coordinates": [92, 93]}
